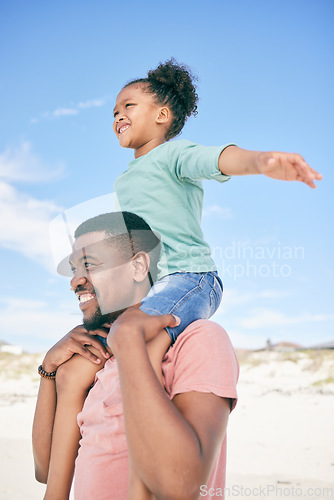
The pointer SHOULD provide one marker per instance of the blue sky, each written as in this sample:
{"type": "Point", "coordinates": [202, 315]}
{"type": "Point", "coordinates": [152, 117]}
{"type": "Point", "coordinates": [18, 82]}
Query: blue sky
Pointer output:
{"type": "Point", "coordinates": [266, 82]}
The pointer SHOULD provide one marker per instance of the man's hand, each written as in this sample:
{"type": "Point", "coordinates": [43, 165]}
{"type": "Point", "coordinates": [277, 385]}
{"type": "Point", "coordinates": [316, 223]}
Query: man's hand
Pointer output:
{"type": "Point", "coordinates": [287, 167]}
{"type": "Point", "coordinates": [77, 341]}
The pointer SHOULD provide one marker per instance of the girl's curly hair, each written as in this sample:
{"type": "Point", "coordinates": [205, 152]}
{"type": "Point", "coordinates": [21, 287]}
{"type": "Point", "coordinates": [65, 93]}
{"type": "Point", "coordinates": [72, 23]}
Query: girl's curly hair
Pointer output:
{"type": "Point", "coordinates": [172, 84]}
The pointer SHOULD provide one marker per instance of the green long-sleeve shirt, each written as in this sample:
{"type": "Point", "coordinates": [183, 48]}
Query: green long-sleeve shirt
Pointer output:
{"type": "Point", "coordinates": [164, 187]}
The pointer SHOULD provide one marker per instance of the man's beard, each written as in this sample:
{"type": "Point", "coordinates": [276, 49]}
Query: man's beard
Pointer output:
{"type": "Point", "coordinates": [98, 319]}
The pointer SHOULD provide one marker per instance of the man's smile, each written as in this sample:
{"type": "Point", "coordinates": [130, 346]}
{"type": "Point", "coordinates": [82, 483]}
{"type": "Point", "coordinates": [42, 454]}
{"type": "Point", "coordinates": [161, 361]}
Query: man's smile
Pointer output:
{"type": "Point", "coordinates": [84, 298]}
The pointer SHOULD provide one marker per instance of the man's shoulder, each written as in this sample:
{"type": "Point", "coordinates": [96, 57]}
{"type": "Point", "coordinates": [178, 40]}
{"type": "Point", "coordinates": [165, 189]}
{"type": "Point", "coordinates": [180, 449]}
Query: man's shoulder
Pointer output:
{"type": "Point", "coordinates": [207, 325]}
{"type": "Point", "coordinates": [202, 359]}
{"type": "Point", "coordinates": [204, 327]}
{"type": "Point", "coordinates": [204, 337]}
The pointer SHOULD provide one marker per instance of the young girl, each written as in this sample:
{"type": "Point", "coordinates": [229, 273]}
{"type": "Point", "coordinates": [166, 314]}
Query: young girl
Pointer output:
{"type": "Point", "coordinates": [163, 185]}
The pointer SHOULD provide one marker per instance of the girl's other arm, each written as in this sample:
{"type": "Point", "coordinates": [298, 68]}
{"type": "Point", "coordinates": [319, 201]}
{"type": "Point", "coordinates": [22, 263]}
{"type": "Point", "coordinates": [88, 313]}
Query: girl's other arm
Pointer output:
{"type": "Point", "coordinates": [42, 427]}
{"type": "Point", "coordinates": [283, 166]}
{"type": "Point", "coordinates": [74, 342]}
{"type": "Point", "coordinates": [73, 380]}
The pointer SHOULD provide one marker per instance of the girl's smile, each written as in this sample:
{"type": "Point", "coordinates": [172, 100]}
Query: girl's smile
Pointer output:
{"type": "Point", "coordinates": [139, 122]}
{"type": "Point", "coordinates": [122, 128]}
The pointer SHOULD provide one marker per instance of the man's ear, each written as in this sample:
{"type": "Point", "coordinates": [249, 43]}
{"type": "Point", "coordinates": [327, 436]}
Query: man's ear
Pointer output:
{"type": "Point", "coordinates": [141, 262]}
{"type": "Point", "coordinates": [164, 115]}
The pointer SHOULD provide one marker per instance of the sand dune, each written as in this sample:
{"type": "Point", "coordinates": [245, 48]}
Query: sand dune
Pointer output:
{"type": "Point", "coordinates": [280, 437]}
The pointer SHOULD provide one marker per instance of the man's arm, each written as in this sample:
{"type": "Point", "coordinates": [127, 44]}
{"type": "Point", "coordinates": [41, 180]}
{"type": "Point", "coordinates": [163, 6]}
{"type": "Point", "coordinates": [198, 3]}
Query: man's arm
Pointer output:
{"type": "Point", "coordinates": [74, 342]}
{"type": "Point", "coordinates": [283, 166]}
{"type": "Point", "coordinates": [172, 444]}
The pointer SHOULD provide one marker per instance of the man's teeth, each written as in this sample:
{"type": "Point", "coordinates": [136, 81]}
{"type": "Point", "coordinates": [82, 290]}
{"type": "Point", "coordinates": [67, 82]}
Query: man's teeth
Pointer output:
{"type": "Point", "coordinates": [86, 297]}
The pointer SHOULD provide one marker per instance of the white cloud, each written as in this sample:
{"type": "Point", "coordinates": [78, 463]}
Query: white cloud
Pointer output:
{"type": "Point", "coordinates": [21, 164]}
{"type": "Point", "coordinates": [72, 110]}
{"type": "Point", "coordinates": [275, 294]}
{"type": "Point", "coordinates": [218, 211]}
{"type": "Point", "coordinates": [44, 323]}
{"type": "Point", "coordinates": [234, 296]}
{"type": "Point", "coordinates": [244, 341]}
{"type": "Point", "coordinates": [252, 331]}
{"type": "Point", "coordinates": [24, 223]}
{"type": "Point", "coordinates": [263, 318]}
{"type": "Point", "coordinates": [93, 103]}
{"type": "Point", "coordinates": [65, 112]}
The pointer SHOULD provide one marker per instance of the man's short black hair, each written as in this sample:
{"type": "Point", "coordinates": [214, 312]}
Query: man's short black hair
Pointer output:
{"type": "Point", "coordinates": [128, 232]}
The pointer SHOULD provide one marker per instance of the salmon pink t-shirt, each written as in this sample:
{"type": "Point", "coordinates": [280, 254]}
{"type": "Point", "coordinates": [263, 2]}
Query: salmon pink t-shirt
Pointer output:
{"type": "Point", "coordinates": [202, 359]}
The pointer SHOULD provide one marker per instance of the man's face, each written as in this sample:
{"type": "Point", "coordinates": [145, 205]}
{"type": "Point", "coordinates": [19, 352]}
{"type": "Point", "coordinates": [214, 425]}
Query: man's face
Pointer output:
{"type": "Point", "coordinates": [102, 279]}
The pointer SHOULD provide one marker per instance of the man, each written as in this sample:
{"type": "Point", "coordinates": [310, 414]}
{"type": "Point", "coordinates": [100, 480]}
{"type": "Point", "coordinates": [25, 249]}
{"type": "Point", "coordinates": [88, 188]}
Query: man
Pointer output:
{"type": "Point", "coordinates": [172, 438]}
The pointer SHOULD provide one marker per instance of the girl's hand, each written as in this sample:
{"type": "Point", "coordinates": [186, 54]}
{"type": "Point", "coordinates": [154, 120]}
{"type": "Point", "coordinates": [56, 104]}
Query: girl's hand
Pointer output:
{"type": "Point", "coordinates": [77, 341]}
{"type": "Point", "coordinates": [287, 167]}
{"type": "Point", "coordinates": [156, 349]}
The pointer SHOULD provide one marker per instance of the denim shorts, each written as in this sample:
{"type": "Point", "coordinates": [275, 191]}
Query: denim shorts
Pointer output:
{"type": "Point", "coordinates": [190, 296]}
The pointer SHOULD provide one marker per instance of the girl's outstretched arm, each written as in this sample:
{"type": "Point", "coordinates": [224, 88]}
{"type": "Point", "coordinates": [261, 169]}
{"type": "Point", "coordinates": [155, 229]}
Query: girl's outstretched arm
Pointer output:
{"type": "Point", "coordinates": [283, 166]}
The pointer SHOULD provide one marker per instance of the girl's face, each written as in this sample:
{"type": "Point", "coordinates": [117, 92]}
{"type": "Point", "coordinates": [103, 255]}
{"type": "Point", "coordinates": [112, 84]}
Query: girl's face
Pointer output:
{"type": "Point", "coordinates": [139, 123]}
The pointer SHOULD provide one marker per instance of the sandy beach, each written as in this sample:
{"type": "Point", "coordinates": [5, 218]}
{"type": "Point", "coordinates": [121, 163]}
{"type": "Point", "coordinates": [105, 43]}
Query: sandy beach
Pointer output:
{"type": "Point", "coordinates": [280, 436]}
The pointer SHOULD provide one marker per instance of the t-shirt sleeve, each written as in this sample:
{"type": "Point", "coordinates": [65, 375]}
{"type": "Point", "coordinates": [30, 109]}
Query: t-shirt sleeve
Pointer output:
{"type": "Point", "coordinates": [203, 360]}
{"type": "Point", "coordinates": [196, 162]}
